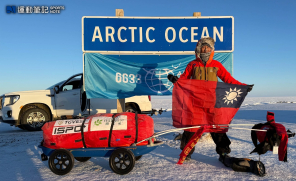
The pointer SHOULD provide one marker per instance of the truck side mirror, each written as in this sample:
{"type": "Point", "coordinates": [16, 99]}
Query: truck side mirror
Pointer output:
{"type": "Point", "coordinates": [56, 89]}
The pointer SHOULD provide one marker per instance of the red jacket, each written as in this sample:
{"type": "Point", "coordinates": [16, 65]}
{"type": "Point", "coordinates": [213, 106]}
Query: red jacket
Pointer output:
{"type": "Point", "coordinates": [197, 70]}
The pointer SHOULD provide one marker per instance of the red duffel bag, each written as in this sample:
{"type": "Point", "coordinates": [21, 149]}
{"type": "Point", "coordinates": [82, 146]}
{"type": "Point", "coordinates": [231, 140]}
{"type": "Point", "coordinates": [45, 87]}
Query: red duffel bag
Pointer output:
{"type": "Point", "coordinates": [100, 130]}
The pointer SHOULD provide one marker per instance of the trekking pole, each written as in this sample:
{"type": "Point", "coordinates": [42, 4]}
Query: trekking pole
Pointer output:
{"type": "Point", "coordinates": [248, 129]}
{"type": "Point", "coordinates": [197, 126]}
{"type": "Point", "coordinates": [289, 133]}
{"type": "Point", "coordinates": [164, 132]}
{"type": "Point", "coordinates": [225, 126]}
{"type": "Point", "coordinates": [177, 129]}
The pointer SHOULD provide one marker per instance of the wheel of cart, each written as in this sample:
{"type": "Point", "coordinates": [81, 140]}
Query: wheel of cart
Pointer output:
{"type": "Point", "coordinates": [61, 162]}
{"type": "Point", "coordinates": [122, 161]}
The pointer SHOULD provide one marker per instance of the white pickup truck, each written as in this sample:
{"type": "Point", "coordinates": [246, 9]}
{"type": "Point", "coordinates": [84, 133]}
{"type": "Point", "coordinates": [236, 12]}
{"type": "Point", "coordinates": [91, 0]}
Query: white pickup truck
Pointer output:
{"type": "Point", "coordinates": [31, 109]}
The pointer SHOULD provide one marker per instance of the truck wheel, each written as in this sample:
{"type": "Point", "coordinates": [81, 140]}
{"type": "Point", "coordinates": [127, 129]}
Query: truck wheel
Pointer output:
{"type": "Point", "coordinates": [132, 109]}
{"type": "Point", "coordinates": [21, 127]}
{"type": "Point", "coordinates": [34, 119]}
{"type": "Point", "coordinates": [122, 161]}
{"type": "Point", "coordinates": [82, 159]}
{"type": "Point", "coordinates": [61, 162]}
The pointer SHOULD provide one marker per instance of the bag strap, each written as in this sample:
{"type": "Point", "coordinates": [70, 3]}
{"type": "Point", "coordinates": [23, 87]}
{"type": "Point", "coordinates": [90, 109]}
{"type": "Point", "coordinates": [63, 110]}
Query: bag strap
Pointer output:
{"type": "Point", "coordinates": [82, 133]}
{"type": "Point", "coordinates": [111, 129]}
{"type": "Point", "coordinates": [137, 131]}
{"type": "Point", "coordinates": [254, 135]}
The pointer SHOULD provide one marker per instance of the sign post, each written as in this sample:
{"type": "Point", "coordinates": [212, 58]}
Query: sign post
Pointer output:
{"type": "Point", "coordinates": [197, 14]}
{"type": "Point", "coordinates": [120, 102]}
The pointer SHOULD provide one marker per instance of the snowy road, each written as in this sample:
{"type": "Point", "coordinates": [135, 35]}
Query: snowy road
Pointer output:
{"type": "Point", "coordinates": [20, 156]}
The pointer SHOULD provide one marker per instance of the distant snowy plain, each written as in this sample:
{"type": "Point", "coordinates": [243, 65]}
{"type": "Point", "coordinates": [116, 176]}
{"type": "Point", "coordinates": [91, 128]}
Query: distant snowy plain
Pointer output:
{"type": "Point", "coordinates": [20, 155]}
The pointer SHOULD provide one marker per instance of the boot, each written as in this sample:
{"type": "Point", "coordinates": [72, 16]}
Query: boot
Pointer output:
{"type": "Point", "coordinates": [226, 159]}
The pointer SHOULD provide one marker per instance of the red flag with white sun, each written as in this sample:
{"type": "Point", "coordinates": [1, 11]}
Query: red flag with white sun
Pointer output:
{"type": "Point", "coordinates": [199, 102]}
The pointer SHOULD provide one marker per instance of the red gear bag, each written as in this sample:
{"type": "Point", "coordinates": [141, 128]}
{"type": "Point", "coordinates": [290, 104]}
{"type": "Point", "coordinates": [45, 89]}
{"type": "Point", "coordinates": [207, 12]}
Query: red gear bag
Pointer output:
{"type": "Point", "coordinates": [100, 130]}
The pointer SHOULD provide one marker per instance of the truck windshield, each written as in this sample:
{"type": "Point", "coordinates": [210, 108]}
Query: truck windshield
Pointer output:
{"type": "Point", "coordinates": [60, 83]}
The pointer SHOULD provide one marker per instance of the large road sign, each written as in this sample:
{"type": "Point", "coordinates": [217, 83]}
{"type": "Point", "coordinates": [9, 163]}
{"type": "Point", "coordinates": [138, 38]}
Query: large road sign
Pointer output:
{"type": "Point", "coordinates": [154, 35]}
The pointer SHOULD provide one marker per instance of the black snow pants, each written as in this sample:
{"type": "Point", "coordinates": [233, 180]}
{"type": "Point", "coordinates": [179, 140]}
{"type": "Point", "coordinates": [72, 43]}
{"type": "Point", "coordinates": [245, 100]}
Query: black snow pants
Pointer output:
{"type": "Point", "coordinates": [220, 139]}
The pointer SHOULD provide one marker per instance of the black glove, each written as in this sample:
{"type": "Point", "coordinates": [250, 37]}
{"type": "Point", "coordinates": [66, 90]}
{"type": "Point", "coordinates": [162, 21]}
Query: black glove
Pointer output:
{"type": "Point", "coordinates": [172, 78]}
{"type": "Point", "coordinates": [250, 88]}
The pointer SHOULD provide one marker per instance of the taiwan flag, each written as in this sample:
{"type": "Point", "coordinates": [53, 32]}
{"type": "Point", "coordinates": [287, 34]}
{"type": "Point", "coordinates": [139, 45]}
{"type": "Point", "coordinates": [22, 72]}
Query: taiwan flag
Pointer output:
{"type": "Point", "coordinates": [199, 102]}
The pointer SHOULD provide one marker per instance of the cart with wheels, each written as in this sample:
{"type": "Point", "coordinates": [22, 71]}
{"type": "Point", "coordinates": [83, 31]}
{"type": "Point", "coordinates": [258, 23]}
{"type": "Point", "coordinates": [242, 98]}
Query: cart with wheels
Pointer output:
{"type": "Point", "coordinates": [121, 159]}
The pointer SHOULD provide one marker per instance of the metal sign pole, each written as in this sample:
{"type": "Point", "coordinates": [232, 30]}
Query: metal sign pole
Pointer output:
{"type": "Point", "coordinates": [120, 102]}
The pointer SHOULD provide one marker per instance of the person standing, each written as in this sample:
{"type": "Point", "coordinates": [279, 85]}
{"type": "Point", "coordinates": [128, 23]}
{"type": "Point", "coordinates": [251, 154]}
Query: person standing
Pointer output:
{"type": "Point", "coordinates": [205, 68]}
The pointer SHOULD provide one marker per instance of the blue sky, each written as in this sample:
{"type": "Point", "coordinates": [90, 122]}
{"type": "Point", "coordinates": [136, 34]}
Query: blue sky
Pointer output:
{"type": "Point", "coordinates": [39, 50]}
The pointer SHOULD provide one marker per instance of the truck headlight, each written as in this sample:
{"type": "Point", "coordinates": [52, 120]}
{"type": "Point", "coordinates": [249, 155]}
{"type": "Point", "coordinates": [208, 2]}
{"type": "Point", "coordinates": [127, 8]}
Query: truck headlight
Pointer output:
{"type": "Point", "coordinates": [12, 99]}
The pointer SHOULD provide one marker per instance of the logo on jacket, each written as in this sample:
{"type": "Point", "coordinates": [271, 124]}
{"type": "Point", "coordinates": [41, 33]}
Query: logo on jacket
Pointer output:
{"type": "Point", "coordinates": [232, 95]}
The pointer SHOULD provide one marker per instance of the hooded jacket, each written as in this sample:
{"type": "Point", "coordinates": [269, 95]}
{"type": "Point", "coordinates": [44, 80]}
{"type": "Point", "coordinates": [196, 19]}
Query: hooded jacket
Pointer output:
{"type": "Point", "coordinates": [213, 69]}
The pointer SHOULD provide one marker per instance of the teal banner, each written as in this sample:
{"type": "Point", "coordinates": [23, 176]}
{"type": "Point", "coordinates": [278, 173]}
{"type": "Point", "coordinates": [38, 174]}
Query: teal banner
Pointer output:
{"type": "Point", "coordinates": [115, 77]}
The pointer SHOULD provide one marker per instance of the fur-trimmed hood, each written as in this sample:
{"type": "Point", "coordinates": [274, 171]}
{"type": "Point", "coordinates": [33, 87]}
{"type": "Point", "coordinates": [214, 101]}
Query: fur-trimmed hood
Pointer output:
{"type": "Point", "coordinates": [206, 40]}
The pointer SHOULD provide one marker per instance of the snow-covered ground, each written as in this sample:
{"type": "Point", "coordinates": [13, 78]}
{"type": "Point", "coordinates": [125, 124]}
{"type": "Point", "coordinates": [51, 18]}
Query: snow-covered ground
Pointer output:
{"type": "Point", "coordinates": [20, 156]}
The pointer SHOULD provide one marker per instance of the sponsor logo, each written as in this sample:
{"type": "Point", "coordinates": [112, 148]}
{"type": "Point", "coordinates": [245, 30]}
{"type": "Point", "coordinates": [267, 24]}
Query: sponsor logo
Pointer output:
{"type": "Point", "coordinates": [69, 126]}
{"type": "Point", "coordinates": [98, 122]}
{"type": "Point", "coordinates": [68, 130]}
{"type": "Point", "coordinates": [70, 122]}
{"type": "Point", "coordinates": [104, 123]}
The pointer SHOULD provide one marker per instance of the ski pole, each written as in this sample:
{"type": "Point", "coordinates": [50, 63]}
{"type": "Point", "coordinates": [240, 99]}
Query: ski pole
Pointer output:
{"type": "Point", "coordinates": [248, 129]}
{"type": "Point", "coordinates": [213, 126]}
{"type": "Point", "coordinates": [289, 133]}
{"type": "Point", "coordinates": [162, 133]}
{"type": "Point", "coordinates": [177, 129]}
{"type": "Point", "coordinates": [197, 126]}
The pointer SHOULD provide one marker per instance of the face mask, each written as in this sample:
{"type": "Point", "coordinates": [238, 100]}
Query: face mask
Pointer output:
{"type": "Point", "coordinates": [205, 57]}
